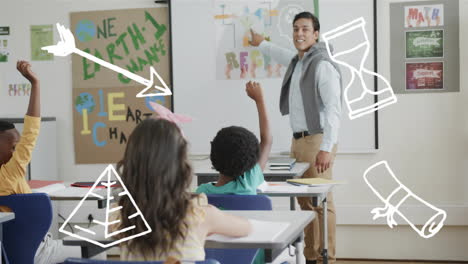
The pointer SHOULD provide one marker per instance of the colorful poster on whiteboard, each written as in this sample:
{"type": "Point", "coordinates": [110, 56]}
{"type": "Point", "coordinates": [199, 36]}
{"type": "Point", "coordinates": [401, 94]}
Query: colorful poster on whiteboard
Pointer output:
{"type": "Point", "coordinates": [235, 58]}
{"type": "Point", "coordinates": [424, 16]}
{"type": "Point", "coordinates": [105, 106]}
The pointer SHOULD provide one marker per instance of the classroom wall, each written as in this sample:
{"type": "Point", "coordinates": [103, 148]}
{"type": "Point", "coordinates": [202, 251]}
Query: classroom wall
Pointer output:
{"type": "Point", "coordinates": [424, 138]}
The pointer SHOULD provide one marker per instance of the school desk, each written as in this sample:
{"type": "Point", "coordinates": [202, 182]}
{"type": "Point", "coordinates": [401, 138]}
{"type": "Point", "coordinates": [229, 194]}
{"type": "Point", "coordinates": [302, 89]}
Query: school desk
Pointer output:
{"type": "Point", "coordinates": [292, 234]}
{"type": "Point", "coordinates": [60, 192]}
{"type": "Point", "coordinates": [317, 194]}
{"type": "Point", "coordinates": [205, 173]}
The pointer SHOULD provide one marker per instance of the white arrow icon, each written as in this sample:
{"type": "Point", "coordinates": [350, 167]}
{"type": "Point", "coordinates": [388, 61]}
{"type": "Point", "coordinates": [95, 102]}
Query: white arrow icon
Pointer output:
{"type": "Point", "coordinates": [66, 46]}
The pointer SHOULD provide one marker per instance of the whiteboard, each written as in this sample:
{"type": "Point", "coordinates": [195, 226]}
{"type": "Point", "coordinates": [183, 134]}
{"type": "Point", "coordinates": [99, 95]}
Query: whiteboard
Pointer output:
{"type": "Point", "coordinates": [215, 103]}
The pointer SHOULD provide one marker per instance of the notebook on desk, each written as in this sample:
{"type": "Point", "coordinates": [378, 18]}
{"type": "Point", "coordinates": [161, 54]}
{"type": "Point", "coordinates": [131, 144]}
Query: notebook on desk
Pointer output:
{"type": "Point", "coordinates": [281, 163]}
{"type": "Point", "coordinates": [280, 187]}
{"type": "Point", "coordinates": [314, 181]}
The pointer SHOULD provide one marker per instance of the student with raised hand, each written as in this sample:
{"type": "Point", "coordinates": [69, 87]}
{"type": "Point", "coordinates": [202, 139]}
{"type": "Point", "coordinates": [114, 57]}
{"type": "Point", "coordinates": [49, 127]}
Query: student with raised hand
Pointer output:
{"type": "Point", "coordinates": [156, 172]}
{"type": "Point", "coordinates": [237, 155]}
{"type": "Point", "coordinates": [15, 155]}
{"type": "Point", "coordinates": [15, 151]}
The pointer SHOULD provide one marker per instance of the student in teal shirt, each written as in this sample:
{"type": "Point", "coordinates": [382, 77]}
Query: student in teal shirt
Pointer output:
{"type": "Point", "coordinates": [238, 156]}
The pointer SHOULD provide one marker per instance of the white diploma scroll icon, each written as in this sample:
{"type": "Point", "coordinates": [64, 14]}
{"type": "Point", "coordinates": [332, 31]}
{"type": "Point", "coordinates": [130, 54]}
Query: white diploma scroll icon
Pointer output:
{"type": "Point", "coordinates": [350, 41]}
{"type": "Point", "coordinates": [396, 196]}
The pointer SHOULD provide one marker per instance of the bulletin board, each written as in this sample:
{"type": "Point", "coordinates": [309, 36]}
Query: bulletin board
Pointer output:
{"type": "Point", "coordinates": [105, 106]}
{"type": "Point", "coordinates": [425, 52]}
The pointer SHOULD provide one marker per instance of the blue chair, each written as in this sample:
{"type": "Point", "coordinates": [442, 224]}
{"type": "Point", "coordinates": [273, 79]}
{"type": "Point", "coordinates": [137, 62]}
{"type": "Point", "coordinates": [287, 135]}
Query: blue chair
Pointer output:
{"type": "Point", "coordinates": [90, 261]}
{"type": "Point", "coordinates": [240, 202]}
{"type": "Point", "coordinates": [33, 217]}
{"type": "Point", "coordinates": [237, 202]}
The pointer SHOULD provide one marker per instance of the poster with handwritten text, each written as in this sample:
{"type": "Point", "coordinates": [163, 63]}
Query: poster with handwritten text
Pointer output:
{"type": "Point", "coordinates": [424, 16]}
{"type": "Point", "coordinates": [105, 106]}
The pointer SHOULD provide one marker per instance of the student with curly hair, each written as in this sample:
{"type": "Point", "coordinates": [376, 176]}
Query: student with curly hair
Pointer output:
{"type": "Point", "coordinates": [237, 155]}
{"type": "Point", "coordinates": [156, 171]}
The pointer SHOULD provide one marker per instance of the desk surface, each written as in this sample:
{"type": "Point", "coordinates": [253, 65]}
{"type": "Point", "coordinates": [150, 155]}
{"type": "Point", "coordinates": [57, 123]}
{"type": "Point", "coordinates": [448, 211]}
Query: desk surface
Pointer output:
{"type": "Point", "coordinates": [295, 191]}
{"type": "Point", "coordinates": [5, 217]}
{"type": "Point", "coordinates": [297, 221]}
{"type": "Point", "coordinates": [204, 168]}
{"type": "Point", "coordinates": [75, 193]}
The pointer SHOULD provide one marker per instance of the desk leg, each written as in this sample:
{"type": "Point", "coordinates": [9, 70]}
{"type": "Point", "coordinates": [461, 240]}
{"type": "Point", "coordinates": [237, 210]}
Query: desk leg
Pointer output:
{"type": "Point", "coordinates": [299, 249]}
{"type": "Point", "coordinates": [292, 203]}
{"type": "Point", "coordinates": [325, 231]}
{"type": "Point", "coordinates": [54, 227]}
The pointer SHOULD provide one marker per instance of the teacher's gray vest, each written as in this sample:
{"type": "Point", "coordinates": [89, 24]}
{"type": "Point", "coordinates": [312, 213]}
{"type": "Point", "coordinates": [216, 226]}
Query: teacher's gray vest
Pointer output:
{"type": "Point", "coordinates": [308, 85]}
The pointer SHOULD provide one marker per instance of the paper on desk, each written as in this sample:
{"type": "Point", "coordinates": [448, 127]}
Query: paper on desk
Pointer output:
{"type": "Point", "coordinates": [50, 188]}
{"type": "Point", "coordinates": [71, 192]}
{"type": "Point", "coordinates": [281, 187]}
{"type": "Point", "coordinates": [315, 181]}
{"type": "Point", "coordinates": [262, 231]}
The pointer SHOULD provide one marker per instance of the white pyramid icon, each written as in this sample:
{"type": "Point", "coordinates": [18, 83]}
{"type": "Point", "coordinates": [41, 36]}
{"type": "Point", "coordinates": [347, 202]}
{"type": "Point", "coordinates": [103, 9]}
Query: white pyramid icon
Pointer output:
{"type": "Point", "coordinates": [109, 177]}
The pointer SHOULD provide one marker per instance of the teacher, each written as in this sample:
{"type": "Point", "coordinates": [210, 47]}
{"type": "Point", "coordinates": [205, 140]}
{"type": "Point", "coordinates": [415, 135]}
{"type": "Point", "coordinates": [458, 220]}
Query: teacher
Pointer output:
{"type": "Point", "coordinates": [311, 93]}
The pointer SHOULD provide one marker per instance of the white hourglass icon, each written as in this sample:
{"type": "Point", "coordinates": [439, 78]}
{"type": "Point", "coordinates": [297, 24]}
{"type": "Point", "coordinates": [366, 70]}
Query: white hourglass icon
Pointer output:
{"type": "Point", "coordinates": [350, 41]}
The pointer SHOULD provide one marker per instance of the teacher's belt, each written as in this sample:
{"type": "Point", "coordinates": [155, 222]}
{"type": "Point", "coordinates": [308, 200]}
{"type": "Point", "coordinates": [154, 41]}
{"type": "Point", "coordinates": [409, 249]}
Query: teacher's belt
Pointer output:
{"type": "Point", "coordinates": [301, 134]}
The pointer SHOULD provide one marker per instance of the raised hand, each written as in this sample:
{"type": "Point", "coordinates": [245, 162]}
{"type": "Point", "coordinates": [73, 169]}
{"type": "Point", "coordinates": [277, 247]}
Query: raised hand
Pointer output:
{"type": "Point", "coordinates": [25, 69]}
{"type": "Point", "coordinates": [254, 90]}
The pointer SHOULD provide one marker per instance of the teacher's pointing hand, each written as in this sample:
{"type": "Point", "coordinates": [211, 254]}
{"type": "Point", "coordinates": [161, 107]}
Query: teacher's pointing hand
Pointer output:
{"type": "Point", "coordinates": [256, 38]}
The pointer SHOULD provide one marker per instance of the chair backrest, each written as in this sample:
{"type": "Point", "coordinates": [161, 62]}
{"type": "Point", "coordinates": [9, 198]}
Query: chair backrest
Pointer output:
{"type": "Point", "coordinates": [240, 202]}
{"type": "Point", "coordinates": [237, 202]}
{"type": "Point", "coordinates": [33, 217]}
{"type": "Point", "coordinates": [90, 261]}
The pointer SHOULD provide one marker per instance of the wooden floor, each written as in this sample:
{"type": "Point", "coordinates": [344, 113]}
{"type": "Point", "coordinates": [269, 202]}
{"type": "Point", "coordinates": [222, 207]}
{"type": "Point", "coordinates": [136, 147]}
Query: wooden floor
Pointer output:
{"type": "Point", "coordinates": [388, 262]}
{"type": "Point", "coordinates": [361, 261]}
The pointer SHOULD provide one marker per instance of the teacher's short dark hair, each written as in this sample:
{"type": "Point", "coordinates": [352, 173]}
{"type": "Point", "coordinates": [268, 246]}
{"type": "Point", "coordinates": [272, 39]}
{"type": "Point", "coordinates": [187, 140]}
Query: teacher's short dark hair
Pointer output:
{"type": "Point", "coordinates": [234, 151]}
{"type": "Point", "coordinates": [308, 15]}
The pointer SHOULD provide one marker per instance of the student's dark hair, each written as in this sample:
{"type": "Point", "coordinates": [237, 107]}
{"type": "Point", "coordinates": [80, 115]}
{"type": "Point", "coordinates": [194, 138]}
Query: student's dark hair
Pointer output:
{"type": "Point", "coordinates": [234, 150]}
{"type": "Point", "coordinates": [308, 15]}
{"type": "Point", "coordinates": [5, 125]}
{"type": "Point", "coordinates": [156, 172]}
